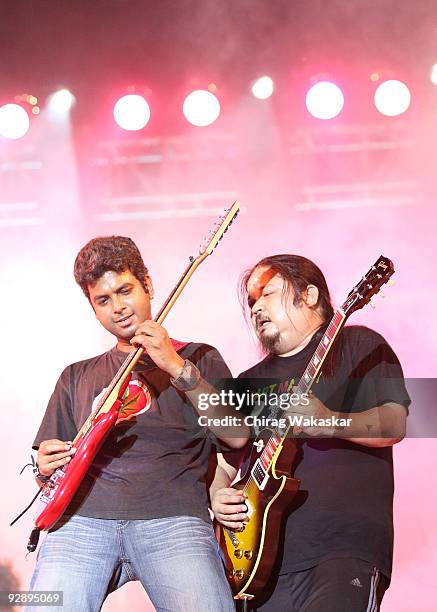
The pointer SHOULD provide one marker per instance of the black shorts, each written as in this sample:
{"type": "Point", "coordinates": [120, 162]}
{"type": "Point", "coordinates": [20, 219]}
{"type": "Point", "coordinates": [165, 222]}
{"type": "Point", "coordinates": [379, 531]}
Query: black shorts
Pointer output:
{"type": "Point", "coordinates": [335, 585]}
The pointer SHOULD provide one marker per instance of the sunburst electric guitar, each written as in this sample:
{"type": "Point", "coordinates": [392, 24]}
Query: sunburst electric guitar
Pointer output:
{"type": "Point", "coordinates": [59, 490]}
{"type": "Point", "coordinates": [251, 551]}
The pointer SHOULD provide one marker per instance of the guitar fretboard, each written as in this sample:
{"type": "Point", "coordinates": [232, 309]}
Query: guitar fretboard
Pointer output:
{"type": "Point", "coordinates": [315, 364]}
{"type": "Point", "coordinates": [309, 376]}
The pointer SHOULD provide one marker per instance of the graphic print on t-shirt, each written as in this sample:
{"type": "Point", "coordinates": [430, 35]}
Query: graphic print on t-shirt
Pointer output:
{"type": "Point", "coordinates": [136, 400]}
{"type": "Point", "coordinates": [269, 401]}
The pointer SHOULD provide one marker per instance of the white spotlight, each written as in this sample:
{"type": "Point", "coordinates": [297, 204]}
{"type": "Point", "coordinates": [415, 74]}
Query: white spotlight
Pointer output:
{"type": "Point", "coordinates": [132, 112]}
{"type": "Point", "coordinates": [324, 100]}
{"type": "Point", "coordinates": [201, 108]}
{"type": "Point", "coordinates": [61, 101]}
{"type": "Point", "coordinates": [433, 75]}
{"type": "Point", "coordinates": [14, 121]}
{"type": "Point", "coordinates": [392, 98]}
{"type": "Point", "coordinates": [263, 88]}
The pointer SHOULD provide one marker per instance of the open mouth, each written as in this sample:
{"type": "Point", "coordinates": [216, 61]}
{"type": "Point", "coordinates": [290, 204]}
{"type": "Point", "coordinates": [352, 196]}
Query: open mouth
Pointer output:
{"type": "Point", "coordinates": [125, 321]}
{"type": "Point", "coordinates": [262, 323]}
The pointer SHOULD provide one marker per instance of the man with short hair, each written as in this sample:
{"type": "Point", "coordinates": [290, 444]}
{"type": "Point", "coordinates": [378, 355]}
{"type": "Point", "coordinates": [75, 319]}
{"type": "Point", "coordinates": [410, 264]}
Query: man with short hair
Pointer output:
{"type": "Point", "coordinates": [141, 513]}
{"type": "Point", "coordinates": [336, 554]}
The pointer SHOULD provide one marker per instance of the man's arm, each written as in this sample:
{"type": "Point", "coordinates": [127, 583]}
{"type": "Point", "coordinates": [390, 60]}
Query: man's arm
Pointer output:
{"type": "Point", "coordinates": [154, 338]}
{"type": "Point", "coordinates": [387, 423]}
{"type": "Point", "coordinates": [376, 427]}
{"type": "Point", "coordinates": [234, 436]}
{"type": "Point", "coordinates": [57, 427]}
{"type": "Point", "coordinates": [52, 454]}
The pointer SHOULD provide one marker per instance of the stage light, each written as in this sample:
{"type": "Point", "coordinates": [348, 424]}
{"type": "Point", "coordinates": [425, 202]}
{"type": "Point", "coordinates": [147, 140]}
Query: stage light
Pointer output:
{"type": "Point", "coordinates": [392, 98]}
{"type": "Point", "coordinates": [324, 100]}
{"type": "Point", "coordinates": [14, 121]}
{"type": "Point", "coordinates": [132, 112]}
{"type": "Point", "coordinates": [263, 88]}
{"type": "Point", "coordinates": [201, 108]}
{"type": "Point", "coordinates": [433, 75]}
{"type": "Point", "coordinates": [61, 101]}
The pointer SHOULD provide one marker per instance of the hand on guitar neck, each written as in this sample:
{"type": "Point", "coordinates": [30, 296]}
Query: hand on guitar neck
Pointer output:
{"type": "Point", "coordinates": [155, 340]}
{"type": "Point", "coordinates": [311, 406]}
{"type": "Point", "coordinates": [376, 427]}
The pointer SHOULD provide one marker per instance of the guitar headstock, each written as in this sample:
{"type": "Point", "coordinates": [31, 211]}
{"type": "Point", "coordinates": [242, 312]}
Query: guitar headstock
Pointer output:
{"type": "Point", "coordinates": [369, 285]}
{"type": "Point", "coordinates": [218, 230]}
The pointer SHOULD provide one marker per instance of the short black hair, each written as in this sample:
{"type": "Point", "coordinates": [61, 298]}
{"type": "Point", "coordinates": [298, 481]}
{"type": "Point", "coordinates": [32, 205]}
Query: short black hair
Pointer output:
{"type": "Point", "coordinates": [108, 253]}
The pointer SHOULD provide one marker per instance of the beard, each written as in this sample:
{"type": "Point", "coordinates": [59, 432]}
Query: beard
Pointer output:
{"type": "Point", "coordinates": [270, 342]}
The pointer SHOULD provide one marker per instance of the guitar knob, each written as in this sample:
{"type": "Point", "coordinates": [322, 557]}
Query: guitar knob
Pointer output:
{"type": "Point", "coordinates": [239, 574]}
{"type": "Point", "coordinates": [240, 529]}
{"type": "Point", "coordinates": [248, 554]}
{"type": "Point", "coordinates": [231, 573]}
{"type": "Point", "coordinates": [238, 553]}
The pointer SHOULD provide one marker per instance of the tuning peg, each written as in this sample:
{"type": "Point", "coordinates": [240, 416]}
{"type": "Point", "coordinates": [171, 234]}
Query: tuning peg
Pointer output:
{"type": "Point", "coordinates": [372, 304]}
{"type": "Point", "coordinates": [381, 293]}
{"type": "Point", "coordinates": [391, 282]}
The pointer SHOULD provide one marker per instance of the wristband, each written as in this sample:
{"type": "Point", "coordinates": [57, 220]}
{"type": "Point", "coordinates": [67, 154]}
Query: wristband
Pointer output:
{"type": "Point", "coordinates": [40, 476]}
{"type": "Point", "coordinates": [188, 379]}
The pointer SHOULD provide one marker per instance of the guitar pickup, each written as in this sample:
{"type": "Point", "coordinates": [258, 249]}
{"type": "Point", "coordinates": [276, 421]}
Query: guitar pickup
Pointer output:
{"type": "Point", "coordinates": [259, 475]}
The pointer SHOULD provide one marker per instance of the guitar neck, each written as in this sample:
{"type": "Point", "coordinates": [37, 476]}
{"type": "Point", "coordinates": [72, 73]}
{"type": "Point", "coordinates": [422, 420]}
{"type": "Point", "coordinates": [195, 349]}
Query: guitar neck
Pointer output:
{"type": "Point", "coordinates": [178, 288]}
{"type": "Point", "coordinates": [308, 378]}
{"type": "Point", "coordinates": [315, 364]}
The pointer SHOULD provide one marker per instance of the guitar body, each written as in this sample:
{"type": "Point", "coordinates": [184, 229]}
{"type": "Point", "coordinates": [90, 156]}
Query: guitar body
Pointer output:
{"type": "Point", "coordinates": [251, 552]}
{"type": "Point", "coordinates": [58, 492]}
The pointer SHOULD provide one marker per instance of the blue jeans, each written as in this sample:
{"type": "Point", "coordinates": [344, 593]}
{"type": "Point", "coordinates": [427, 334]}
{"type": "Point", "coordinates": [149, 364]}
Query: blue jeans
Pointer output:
{"type": "Point", "coordinates": [176, 559]}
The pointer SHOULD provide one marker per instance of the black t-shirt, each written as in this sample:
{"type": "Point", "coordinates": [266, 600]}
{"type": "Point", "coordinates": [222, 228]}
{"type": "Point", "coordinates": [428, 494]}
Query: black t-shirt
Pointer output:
{"type": "Point", "coordinates": [344, 505]}
{"type": "Point", "coordinates": [151, 466]}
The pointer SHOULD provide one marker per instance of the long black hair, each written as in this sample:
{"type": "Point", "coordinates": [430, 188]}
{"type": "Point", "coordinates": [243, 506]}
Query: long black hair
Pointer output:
{"type": "Point", "coordinates": [298, 272]}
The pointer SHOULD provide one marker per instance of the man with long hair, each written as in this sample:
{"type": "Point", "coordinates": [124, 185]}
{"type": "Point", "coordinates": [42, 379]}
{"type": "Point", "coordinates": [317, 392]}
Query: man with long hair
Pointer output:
{"type": "Point", "coordinates": [336, 553]}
